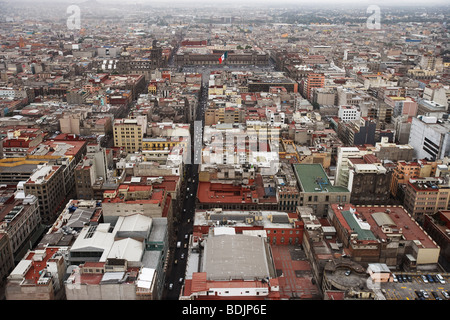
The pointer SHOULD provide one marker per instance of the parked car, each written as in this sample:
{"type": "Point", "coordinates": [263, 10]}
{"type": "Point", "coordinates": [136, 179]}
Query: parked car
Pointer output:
{"type": "Point", "coordinates": [394, 277]}
{"type": "Point", "coordinates": [435, 295]}
{"type": "Point", "coordinates": [171, 286]}
{"type": "Point", "coordinates": [424, 279]}
{"type": "Point", "coordinates": [445, 294]}
{"type": "Point", "coordinates": [425, 294]}
{"type": "Point", "coordinates": [347, 273]}
{"type": "Point", "coordinates": [440, 278]}
{"type": "Point", "coordinates": [430, 278]}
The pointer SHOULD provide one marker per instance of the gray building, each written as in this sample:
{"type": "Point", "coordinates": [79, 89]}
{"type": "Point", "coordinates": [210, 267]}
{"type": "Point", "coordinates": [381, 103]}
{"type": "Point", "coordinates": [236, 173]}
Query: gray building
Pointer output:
{"type": "Point", "coordinates": [316, 191]}
{"type": "Point", "coordinates": [430, 137]}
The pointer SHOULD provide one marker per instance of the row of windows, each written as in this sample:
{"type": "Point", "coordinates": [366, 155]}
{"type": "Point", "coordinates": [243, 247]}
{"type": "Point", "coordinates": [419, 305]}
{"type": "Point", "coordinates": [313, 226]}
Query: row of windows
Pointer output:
{"type": "Point", "coordinates": [282, 231]}
{"type": "Point", "coordinates": [288, 196]}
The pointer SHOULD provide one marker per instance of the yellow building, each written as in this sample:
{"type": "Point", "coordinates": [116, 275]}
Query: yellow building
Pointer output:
{"type": "Point", "coordinates": [128, 134]}
{"type": "Point", "coordinates": [224, 115]}
{"type": "Point", "coordinates": [161, 143]}
{"type": "Point", "coordinates": [152, 88]}
{"type": "Point", "coordinates": [217, 90]}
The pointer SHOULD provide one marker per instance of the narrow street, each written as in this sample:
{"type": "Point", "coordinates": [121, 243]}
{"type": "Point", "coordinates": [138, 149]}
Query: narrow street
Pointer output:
{"type": "Point", "coordinates": [178, 254]}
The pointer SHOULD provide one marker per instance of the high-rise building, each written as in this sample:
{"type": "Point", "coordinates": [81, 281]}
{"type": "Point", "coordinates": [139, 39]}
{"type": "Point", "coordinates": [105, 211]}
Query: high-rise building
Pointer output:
{"type": "Point", "coordinates": [128, 134]}
{"type": "Point", "coordinates": [48, 185]}
{"type": "Point", "coordinates": [368, 182]}
{"type": "Point", "coordinates": [313, 80]}
{"type": "Point", "coordinates": [430, 137]}
{"type": "Point", "coordinates": [20, 220]}
{"type": "Point", "coordinates": [426, 196]}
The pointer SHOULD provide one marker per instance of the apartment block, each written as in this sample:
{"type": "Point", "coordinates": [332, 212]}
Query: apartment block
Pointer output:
{"type": "Point", "coordinates": [357, 132]}
{"type": "Point", "coordinates": [383, 234]}
{"type": "Point", "coordinates": [132, 199]}
{"type": "Point", "coordinates": [426, 196]}
{"type": "Point", "coordinates": [127, 134]}
{"type": "Point", "coordinates": [313, 80]}
{"type": "Point", "coordinates": [347, 113]}
{"type": "Point", "coordinates": [430, 137]}
{"type": "Point", "coordinates": [385, 150]}
{"type": "Point", "coordinates": [404, 171]}
{"type": "Point", "coordinates": [402, 105]}
{"type": "Point", "coordinates": [6, 262]}
{"type": "Point", "coordinates": [316, 191]}
{"type": "Point", "coordinates": [438, 227]}
{"type": "Point", "coordinates": [38, 276]}
{"type": "Point", "coordinates": [48, 185]}
{"type": "Point", "coordinates": [20, 220]}
{"type": "Point", "coordinates": [344, 154]}
{"type": "Point", "coordinates": [111, 280]}
{"type": "Point", "coordinates": [368, 183]}
{"type": "Point", "coordinates": [17, 143]}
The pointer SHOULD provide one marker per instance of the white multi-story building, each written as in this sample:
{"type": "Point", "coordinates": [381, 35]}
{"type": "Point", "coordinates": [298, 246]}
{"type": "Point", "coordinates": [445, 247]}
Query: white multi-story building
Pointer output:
{"type": "Point", "coordinates": [343, 154]}
{"type": "Point", "coordinates": [430, 137]}
{"type": "Point", "coordinates": [348, 113]}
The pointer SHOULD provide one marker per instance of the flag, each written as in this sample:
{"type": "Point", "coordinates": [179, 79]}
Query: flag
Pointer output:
{"type": "Point", "coordinates": [223, 56]}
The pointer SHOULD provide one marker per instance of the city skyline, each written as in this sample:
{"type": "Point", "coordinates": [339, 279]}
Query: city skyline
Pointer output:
{"type": "Point", "coordinates": [189, 152]}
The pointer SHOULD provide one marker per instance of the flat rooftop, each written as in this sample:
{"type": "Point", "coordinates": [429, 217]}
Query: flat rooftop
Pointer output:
{"type": "Point", "coordinates": [236, 257]}
{"type": "Point", "coordinates": [312, 178]}
{"type": "Point", "coordinates": [396, 218]}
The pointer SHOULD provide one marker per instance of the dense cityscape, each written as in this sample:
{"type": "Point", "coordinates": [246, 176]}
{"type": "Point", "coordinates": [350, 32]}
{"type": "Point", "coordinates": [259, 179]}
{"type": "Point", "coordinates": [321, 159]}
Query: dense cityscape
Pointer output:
{"type": "Point", "coordinates": [196, 151]}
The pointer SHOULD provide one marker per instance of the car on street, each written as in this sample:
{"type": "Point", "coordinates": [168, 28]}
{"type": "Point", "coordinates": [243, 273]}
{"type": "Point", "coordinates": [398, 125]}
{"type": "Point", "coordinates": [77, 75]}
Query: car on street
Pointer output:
{"type": "Point", "coordinates": [171, 286]}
